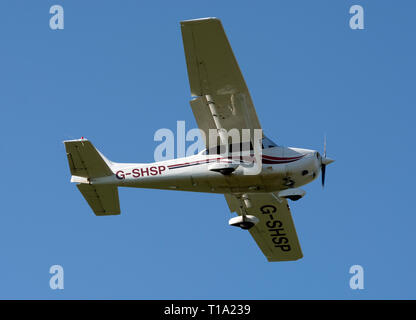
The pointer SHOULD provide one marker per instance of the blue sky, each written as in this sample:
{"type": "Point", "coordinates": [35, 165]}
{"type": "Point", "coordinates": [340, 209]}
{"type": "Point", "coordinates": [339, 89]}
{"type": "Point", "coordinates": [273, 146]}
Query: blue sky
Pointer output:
{"type": "Point", "coordinates": [117, 73]}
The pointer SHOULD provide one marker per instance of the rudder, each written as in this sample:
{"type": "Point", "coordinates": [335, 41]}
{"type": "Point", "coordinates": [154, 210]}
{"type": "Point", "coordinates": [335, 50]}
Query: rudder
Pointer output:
{"type": "Point", "coordinates": [86, 161]}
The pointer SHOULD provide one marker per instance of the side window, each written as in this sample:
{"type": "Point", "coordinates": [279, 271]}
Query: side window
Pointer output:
{"type": "Point", "coordinates": [267, 143]}
{"type": "Point", "coordinates": [216, 150]}
{"type": "Point", "coordinates": [240, 147]}
{"type": "Point", "coordinates": [220, 149]}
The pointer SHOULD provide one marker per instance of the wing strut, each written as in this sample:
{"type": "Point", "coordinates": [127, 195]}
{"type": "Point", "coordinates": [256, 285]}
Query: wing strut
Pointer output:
{"type": "Point", "coordinates": [216, 117]}
{"type": "Point", "coordinates": [244, 221]}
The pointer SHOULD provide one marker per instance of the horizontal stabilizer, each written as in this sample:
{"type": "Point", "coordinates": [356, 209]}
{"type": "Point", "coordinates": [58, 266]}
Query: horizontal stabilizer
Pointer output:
{"type": "Point", "coordinates": [103, 199]}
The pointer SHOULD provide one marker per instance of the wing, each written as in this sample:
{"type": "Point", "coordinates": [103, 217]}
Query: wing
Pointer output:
{"type": "Point", "coordinates": [213, 70]}
{"type": "Point", "coordinates": [275, 233]}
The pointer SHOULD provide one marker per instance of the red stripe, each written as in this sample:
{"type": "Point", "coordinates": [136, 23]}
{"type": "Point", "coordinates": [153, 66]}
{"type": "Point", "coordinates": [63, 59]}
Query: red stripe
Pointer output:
{"type": "Point", "coordinates": [187, 163]}
{"type": "Point", "coordinates": [266, 159]}
{"type": "Point", "coordinates": [279, 158]}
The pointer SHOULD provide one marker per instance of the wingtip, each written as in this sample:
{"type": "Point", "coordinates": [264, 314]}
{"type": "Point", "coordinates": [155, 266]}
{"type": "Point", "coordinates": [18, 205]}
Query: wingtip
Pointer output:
{"type": "Point", "coordinates": [75, 140]}
{"type": "Point", "coordinates": [199, 20]}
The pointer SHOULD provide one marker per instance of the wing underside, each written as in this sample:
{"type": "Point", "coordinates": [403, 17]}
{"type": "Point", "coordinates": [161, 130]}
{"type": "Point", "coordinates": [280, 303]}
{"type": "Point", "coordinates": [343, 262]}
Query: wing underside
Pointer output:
{"type": "Point", "coordinates": [275, 233]}
{"type": "Point", "coordinates": [214, 71]}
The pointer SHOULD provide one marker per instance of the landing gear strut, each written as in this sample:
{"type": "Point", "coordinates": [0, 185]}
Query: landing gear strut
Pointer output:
{"type": "Point", "coordinates": [244, 221]}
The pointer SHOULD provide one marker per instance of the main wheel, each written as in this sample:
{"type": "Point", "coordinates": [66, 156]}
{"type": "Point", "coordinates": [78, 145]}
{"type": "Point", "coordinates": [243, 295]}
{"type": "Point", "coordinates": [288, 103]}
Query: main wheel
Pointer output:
{"type": "Point", "coordinates": [246, 225]}
{"type": "Point", "coordinates": [243, 222]}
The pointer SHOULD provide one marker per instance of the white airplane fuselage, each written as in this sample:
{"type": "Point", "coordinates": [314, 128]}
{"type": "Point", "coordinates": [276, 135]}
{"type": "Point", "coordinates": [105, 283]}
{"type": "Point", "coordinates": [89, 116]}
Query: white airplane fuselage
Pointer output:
{"type": "Point", "coordinates": [256, 182]}
{"type": "Point", "coordinates": [282, 168]}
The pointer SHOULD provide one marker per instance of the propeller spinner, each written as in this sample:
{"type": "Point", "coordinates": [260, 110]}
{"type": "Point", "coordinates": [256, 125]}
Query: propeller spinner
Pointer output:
{"type": "Point", "coordinates": [324, 162]}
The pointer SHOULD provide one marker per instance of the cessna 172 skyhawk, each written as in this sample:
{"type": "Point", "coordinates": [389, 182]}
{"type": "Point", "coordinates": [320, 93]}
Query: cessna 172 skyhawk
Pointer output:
{"type": "Point", "coordinates": [221, 102]}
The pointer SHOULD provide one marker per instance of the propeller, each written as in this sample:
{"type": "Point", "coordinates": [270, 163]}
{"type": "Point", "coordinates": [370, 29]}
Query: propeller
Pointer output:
{"type": "Point", "coordinates": [324, 162]}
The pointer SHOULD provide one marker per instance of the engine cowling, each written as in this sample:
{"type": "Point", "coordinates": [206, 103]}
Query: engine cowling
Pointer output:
{"type": "Point", "coordinates": [293, 194]}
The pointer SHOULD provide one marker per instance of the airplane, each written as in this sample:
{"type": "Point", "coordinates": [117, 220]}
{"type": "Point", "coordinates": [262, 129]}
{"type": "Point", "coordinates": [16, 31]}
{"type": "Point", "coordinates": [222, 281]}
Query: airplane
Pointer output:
{"type": "Point", "coordinates": [221, 102]}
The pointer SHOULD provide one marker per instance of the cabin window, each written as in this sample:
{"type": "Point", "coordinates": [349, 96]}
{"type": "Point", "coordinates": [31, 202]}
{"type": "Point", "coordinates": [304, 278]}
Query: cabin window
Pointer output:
{"type": "Point", "coordinates": [267, 143]}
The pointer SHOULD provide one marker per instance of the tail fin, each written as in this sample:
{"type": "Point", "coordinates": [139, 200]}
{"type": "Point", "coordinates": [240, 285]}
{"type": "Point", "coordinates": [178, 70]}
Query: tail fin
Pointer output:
{"type": "Point", "coordinates": [85, 163]}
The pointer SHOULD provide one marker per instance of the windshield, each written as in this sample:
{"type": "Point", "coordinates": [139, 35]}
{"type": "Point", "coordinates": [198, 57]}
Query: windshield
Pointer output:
{"type": "Point", "coordinates": [266, 143]}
